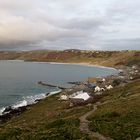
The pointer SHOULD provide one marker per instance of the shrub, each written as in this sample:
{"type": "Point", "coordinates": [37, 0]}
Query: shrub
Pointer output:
{"type": "Point", "coordinates": [116, 82]}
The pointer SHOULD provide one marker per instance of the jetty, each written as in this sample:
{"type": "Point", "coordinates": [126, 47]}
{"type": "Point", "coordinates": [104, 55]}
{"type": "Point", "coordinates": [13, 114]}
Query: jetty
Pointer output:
{"type": "Point", "coordinates": [75, 83]}
{"type": "Point", "coordinates": [50, 85]}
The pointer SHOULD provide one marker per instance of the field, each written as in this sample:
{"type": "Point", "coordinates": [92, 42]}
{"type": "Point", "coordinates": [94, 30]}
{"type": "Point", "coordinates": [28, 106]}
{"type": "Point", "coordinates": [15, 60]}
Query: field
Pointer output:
{"type": "Point", "coordinates": [50, 119]}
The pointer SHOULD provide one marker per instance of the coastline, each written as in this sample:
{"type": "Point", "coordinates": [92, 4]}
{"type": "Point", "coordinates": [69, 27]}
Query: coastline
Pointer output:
{"type": "Point", "coordinates": [16, 111]}
{"type": "Point", "coordinates": [64, 63]}
{"type": "Point", "coordinates": [82, 64]}
{"type": "Point", "coordinates": [51, 117]}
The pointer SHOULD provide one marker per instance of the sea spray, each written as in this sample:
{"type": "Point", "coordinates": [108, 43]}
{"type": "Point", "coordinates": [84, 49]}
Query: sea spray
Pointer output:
{"type": "Point", "coordinates": [20, 104]}
{"type": "Point", "coordinates": [2, 110]}
{"type": "Point", "coordinates": [29, 100]}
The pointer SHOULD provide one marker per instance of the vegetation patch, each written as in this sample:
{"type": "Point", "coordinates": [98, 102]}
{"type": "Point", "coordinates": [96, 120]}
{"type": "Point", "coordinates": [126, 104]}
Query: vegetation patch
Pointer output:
{"type": "Point", "coordinates": [48, 120]}
{"type": "Point", "coordinates": [120, 117]}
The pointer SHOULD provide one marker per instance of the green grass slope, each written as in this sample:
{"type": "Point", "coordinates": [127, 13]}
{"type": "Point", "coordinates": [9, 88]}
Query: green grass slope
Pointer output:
{"type": "Point", "coordinates": [48, 120]}
{"type": "Point", "coordinates": [120, 117]}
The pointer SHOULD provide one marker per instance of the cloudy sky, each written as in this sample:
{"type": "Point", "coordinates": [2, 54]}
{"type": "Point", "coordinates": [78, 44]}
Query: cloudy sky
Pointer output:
{"type": "Point", "coordinates": [65, 24]}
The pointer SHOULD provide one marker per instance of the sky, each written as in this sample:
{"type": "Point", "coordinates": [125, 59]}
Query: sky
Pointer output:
{"type": "Point", "coordinates": [70, 24]}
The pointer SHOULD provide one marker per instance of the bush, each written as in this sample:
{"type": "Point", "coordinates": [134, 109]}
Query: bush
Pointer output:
{"type": "Point", "coordinates": [116, 82]}
{"type": "Point", "coordinates": [12, 134]}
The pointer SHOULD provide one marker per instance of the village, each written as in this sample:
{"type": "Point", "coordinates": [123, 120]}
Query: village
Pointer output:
{"type": "Point", "coordinates": [94, 88]}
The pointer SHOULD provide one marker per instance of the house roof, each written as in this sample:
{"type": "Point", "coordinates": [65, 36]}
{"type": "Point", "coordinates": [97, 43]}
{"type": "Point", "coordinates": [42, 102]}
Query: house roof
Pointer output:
{"type": "Point", "coordinates": [83, 96]}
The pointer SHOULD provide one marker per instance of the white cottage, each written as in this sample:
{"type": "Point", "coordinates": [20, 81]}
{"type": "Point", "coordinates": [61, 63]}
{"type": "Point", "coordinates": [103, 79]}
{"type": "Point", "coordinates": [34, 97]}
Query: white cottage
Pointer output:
{"type": "Point", "coordinates": [97, 89]}
{"type": "Point", "coordinates": [64, 97]}
{"type": "Point", "coordinates": [109, 87]}
{"type": "Point", "coordinates": [80, 95]}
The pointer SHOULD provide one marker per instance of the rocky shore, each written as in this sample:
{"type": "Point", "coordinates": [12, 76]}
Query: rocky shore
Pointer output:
{"type": "Point", "coordinates": [10, 112]}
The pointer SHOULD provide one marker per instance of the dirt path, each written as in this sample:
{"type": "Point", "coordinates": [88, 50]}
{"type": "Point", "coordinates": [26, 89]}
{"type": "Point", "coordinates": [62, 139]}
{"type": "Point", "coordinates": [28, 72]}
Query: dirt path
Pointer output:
{"type": "Point", "coordinates": [84, 124]}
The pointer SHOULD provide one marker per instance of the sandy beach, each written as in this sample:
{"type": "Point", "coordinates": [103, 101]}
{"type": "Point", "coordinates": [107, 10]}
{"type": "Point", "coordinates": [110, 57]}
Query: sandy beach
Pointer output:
{"type": "Point", "coordinates": [80, 64]}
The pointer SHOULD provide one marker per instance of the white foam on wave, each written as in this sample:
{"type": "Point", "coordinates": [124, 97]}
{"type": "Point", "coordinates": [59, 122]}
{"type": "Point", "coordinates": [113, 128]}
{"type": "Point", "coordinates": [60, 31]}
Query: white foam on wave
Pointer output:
{"type": "Point", "coordinates": [19, 104]}
{"type": "Point", "coordinates": [33, 99]}
{"type": "Point", "coordinates": [29, 100]}
{"type": "Point", "coordinates": [2, 110]}
{"type": "Point", "coordinates": [55, 92]}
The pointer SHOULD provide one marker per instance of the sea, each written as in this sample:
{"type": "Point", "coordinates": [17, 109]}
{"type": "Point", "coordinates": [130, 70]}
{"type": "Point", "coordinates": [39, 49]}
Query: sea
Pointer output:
{"type": "Point", "coordinates": [19, 80]}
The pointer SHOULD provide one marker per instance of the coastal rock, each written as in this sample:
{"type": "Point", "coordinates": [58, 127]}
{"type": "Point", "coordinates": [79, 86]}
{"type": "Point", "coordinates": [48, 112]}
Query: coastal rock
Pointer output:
{"type": "Point", "coordinates": [9, 113]}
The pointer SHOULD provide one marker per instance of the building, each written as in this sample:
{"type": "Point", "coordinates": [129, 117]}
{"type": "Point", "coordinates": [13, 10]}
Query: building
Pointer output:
{"type": "Point", "coordinates": [64, 97]}
{"type": "Point", "coordinates": [109, 87]}
{"type": "Point", "coordinates": [97, 89]}
{"type": "Point", "coordinates": [80, 95]}
{"type": "Point", "coordinates": [79, 98]}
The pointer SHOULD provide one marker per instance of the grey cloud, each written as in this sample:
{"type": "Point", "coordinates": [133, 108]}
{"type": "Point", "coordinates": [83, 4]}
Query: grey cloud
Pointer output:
{"type": "Point", "coordinates": [117, 44]}
{"type": "Point", "coordinates": [82, 23]}
{"type": "Point", "coordinates": [65, 24]}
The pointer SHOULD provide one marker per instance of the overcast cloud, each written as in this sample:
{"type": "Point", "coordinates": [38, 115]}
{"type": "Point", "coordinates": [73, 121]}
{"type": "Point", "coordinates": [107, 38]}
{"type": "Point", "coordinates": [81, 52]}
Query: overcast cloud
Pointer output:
{"type": "Point", "coordinates": [65, 24]}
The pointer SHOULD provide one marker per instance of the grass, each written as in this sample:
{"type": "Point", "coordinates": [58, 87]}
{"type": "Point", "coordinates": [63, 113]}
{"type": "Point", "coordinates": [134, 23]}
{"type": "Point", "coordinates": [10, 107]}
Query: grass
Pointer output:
{"type": "Point", "coordinates": [119, 119]}
{"type": "Point", "coordinates": [50, 119]}
{"type": "Point", "coordinates": [134, 61]}
{"type": "Point", "coordinates": [60, 129]}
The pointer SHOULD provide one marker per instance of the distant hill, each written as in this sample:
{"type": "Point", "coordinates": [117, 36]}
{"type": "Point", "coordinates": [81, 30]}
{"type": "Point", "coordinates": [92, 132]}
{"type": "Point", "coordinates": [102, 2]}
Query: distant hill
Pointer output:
{"type": "Point", "coordinates": [105, 58]}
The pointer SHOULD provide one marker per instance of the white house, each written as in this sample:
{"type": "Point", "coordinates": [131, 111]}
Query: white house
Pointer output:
{"type": "Point", "coordinates": [136, 71]}
{"type": "Point", "coordinates": [109, 87]}
{"type": "Point", "coordinates": [131, 78]}
{"type": "Point", "coordinates": [80, 95]}
{"type": "Point", "coordinates": [134, 67]}
{"type": "Point", "coordinates": [64, 97]}
{"type": "Point", "coordinates": [97, 89]}
{"type": "Point", "coordinates": [83, 96]}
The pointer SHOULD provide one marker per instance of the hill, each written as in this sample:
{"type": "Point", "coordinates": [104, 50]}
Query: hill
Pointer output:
{"type": "Point", "coordinates": [104, 58]}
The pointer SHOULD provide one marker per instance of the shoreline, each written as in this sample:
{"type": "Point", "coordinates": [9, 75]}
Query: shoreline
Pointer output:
{"type": "Point", "coordinates": [9, 111]}
{"type": "Point", "coordinates": [64, 63]}
{"type": "Point", "coordinates": [17, 111]}
{"type": "Point", "coordinates": [82, 64]}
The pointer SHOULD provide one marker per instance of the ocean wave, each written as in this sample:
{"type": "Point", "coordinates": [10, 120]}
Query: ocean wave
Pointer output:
{"type": "Point", "coordinates": [55, 92]}
{"type": "Point", "coordinates": [28, 100]}
{"type": "Point", "coordinates": [34, 99]}
{"type": "Point", "coordinates": [2, 110]}
{"type": "Point", "coordinates": [20, 104]}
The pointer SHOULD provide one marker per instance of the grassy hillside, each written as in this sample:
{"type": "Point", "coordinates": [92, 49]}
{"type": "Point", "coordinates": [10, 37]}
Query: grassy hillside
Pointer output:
{"type": "Point", "coordinates": [105, 58]}
{"type": "Point", "coordinates": [120, 117]}
{"type": "Point", "coordinates": [50, 119]}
